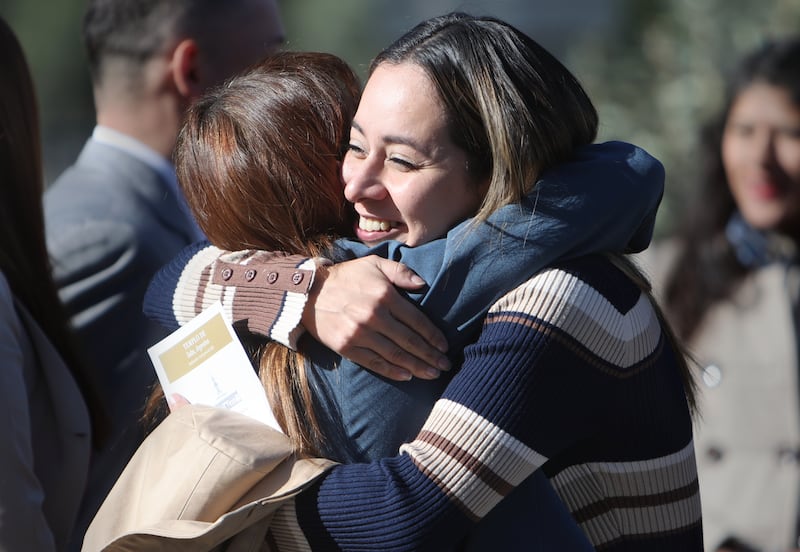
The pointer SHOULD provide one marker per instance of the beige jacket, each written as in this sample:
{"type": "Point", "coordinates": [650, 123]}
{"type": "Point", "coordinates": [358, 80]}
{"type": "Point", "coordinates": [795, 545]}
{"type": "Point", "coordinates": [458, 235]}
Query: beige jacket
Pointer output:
{"type": "Point", "coordinates": [204, 477]}
{"type": "Point", "coordinates": [747, 436]}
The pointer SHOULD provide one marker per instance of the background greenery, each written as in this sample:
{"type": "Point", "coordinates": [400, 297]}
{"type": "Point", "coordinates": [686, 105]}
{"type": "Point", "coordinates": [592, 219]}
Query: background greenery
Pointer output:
{"type": "Point", "coordinates": [654, 67]}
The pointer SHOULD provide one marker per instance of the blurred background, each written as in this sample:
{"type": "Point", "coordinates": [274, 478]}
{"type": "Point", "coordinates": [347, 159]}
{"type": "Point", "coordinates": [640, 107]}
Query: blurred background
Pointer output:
{"type": "Point", "coordinates": [653, 67]}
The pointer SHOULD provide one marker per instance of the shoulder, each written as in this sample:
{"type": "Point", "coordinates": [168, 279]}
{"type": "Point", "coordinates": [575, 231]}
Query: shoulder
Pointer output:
{"type": "Point", "coordinates": [89, 245]}
{"type": "Point", "coordinates": [108, 183]}
{"type": "Point", "coordinates": [96, 221]}
{"type": "Point", "coordinates": [579, 283]}
{"type": "Point", "coordinates": [658, 261]}
{"type": "Point", "coordinates": [99, 188]}
{"type": "Point", "coordinates": [589, 300]}
{"type": "Point", "coordinates": [87, 202]}
{"type": "Point", "coordinates": [590, 306]}
{"type": "Point", "coordinates": [90, 175]}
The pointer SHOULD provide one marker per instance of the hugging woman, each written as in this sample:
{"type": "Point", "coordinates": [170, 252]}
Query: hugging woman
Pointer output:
{"type": "Point", "coordinates": [482, 157]}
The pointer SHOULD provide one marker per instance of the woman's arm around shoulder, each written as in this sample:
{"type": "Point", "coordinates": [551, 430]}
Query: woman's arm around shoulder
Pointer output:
{"type": "Point", "coordinates": [263, 292]}
{"type": "Point", "coordinates": [520, 401]}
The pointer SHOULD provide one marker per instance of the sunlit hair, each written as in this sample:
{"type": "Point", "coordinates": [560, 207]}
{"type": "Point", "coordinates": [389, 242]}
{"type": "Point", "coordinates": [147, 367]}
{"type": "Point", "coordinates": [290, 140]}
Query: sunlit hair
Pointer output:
{"type": "Point", "coordinates": [24, 260]}
{"type": "Point", "coordinates": [514, 109]}
{"type": "Point", "coordinates": [511, 106]}
{"type": "Point", "coordinates": [707, 270]}
{"type": "Point", "coordinates": [258, 160]}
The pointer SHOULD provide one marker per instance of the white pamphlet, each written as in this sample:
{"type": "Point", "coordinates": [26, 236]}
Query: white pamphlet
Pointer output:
{"type": "Point", "coordinates": [204, 362]}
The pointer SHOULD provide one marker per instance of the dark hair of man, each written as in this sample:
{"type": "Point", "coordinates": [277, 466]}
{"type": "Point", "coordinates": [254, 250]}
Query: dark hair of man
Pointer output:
{"type": "Point", "coordinates": [24, 260]}
{"type": "Point", "coordinates": [707, 270]}
{"type": "Point", "coordinates": [136, 30]}
{"type": "Point", "coordinates": [258, 161]}
{"type": "Point", "coordinates": [512, 107]}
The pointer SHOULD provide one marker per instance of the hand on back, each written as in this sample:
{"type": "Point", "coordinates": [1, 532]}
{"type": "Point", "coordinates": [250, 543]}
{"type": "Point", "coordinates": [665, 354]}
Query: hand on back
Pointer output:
{"type": "Point", "coordinates": [356, 310]}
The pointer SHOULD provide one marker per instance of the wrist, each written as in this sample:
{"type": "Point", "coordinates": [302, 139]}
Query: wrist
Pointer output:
{"type": "Point", "coordinates": [321, 272]}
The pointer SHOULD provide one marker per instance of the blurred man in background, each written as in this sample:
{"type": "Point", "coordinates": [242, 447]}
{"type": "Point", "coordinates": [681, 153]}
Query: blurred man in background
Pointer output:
{"type": "Point", "coordinates": [116, 215]}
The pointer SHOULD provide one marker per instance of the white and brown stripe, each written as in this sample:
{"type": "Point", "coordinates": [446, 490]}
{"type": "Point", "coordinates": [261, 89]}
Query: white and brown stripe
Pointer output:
{"type": "Point", "coordinates": [287, 328]}
{"type": "Point", "coordinates": [195, 291]}
{"type": "Point", "coordinates": [481, 468]}
{"type": "Point", "coordinates": [645, 498]}
{"type": "Point", "coordinates": [613, 341]}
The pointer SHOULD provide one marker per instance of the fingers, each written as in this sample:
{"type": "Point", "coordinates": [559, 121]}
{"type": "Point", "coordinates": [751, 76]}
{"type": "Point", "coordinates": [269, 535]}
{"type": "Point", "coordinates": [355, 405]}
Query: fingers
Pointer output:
{"type": "Point", "coordinates": [358, 313]}
{"type": "Point", "coordinates": [398, 341]}
{"type": "Point", "coordinates": [398, 273]}
{"type": "Point", "coordinates": [415, 332]}
{"type": "Point", "coordinates": [373, 362]}
{"type": "Point", "coordinates": [382, 344]}
{"type": "Point", "coordinates": [175, 401]}
{"type": "Point", "coordinates": [403, 367]}
{"type": "Point", "coordinates": [410, 316]}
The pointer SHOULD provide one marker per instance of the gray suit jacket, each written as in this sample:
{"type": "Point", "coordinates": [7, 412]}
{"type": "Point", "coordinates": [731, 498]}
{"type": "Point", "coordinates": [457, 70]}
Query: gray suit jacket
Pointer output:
{"type": "Point", "coordinates": [112, 221]}
{"type": "Point", "coordinates": [45, 435]}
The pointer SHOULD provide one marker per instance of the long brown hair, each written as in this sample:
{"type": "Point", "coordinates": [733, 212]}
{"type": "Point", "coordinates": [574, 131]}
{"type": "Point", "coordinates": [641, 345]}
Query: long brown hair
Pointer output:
{"type": "Point", "coordinates": [258, 160]}
{"type": "Point", "coordinates": [24, 260]}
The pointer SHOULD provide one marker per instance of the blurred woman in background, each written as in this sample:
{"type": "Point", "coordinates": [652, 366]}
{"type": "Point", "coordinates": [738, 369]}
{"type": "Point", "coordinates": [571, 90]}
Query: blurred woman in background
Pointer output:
{"type": "Point", "coordinates": [731, 290]}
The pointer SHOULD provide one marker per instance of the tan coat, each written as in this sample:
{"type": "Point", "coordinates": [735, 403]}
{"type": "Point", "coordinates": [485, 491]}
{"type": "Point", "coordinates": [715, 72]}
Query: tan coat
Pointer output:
{"type": "Point", "coordinates": [205, 476]}
{"type": "Point", "coordinates": [748, 434]}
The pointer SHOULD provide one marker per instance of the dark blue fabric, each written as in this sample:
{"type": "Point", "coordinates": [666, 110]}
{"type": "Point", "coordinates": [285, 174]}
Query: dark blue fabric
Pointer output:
{"type": "Point", "coordinates": [532, 517]}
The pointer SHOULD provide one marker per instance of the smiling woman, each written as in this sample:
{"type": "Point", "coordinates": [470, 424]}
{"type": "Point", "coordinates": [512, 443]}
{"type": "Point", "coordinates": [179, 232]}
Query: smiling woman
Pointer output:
{"type": "Point", "coordinates": [761, 153]}
{"type": "Point", "coordinates": [406, 178]}
{"type": "Point", "coordinates": [567, 390]}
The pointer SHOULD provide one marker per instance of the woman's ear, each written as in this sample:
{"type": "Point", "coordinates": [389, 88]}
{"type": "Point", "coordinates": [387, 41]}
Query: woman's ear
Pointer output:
{"type": "Point", "coordinates": [185, 69]}
{"type": "Point", "coordinates": [483, 187]}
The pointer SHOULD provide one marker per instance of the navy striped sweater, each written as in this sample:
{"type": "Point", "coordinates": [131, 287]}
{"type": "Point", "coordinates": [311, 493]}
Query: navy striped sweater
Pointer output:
{"type": "Point", "coordinates": [572, 374]}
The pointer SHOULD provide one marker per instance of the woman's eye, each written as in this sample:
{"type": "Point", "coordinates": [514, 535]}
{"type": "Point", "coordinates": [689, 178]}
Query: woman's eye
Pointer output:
{"type": "Point", "coordinates": [355, 149]}
{"type": "Point", "coordinates": [741, 129]}
{"type": "Point", "coordinates": [791, 132]}
{"type": "Point", "coordinates": [403, 163]}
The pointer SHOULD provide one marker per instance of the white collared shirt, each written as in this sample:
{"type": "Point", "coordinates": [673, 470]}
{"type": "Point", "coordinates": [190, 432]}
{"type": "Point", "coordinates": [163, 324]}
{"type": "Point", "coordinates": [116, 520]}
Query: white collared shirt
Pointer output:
{"type": "Point", "coordinates": [149, 157]}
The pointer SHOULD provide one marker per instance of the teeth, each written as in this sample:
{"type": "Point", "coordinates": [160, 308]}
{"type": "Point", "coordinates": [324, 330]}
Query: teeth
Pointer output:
{"type": "Point", "coordinates": [374, 225]}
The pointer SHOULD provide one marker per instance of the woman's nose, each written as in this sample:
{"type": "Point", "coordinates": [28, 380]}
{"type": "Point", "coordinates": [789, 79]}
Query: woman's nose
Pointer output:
{"type": "Point", "coordinates": [765, 148]}
{"type": "Point", "coordinates": [362, 179]}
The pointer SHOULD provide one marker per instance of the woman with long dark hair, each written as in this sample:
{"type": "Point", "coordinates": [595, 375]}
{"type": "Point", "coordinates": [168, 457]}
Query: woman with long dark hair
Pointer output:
{"type": "Point", "coordinates": [49, 413]}
{"type": "Point", "coordinates": [730, 286]}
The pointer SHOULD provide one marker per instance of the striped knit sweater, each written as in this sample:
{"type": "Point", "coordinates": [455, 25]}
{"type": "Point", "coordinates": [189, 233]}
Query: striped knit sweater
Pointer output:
{"type": "Point", "coordinates": [572, 374]}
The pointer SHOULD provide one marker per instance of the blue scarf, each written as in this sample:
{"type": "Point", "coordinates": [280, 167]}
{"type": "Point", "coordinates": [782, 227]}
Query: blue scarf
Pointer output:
{"type": "Point", "coordinates": [756, 248]}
